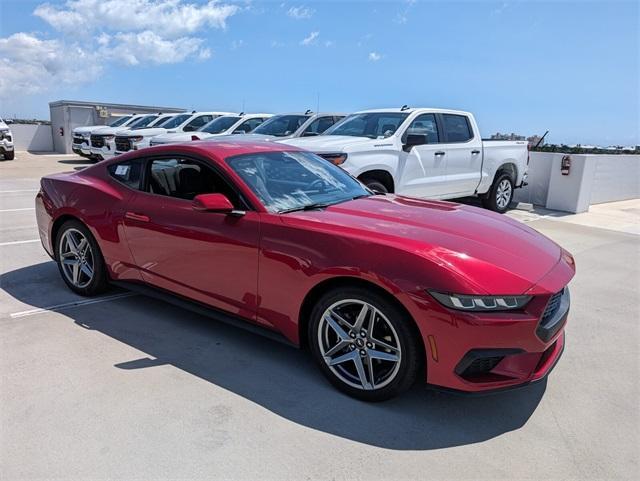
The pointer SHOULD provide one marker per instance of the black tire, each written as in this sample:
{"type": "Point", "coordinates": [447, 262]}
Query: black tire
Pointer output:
{"type": "Point", "coordinates": [492, 201]}
{"type": "Point", "coordinates": [375, 185]}
{"type": "Point", "coordinates": [408, 341]}
{"type": "Point", "coordinates": [10, 155]}
{"type": "Point", "coordinates": [99, 281]}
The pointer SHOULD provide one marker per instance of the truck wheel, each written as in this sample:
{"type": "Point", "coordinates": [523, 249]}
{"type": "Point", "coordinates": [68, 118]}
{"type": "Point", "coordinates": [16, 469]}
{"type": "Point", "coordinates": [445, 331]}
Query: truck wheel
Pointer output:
{"type": "Point", "coordinates": [375, 185]}
{"type": "Point", "coordinates": [9, 155]}
{"type": "Point", "coordinates": [500, 195]}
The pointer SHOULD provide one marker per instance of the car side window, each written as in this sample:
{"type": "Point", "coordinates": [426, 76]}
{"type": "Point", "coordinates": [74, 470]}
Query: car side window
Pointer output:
{"type": "Point", "coordinates": [186, 178]}
{"type": "Point", "coordinates": [318, 126]}
{"type": "Point", "coordinates": [457, 128]}
{"type": "Point", "coordinates": [248, 125]}
{"type": "Point", "coordinates": [198, 122]}
{"type": "Point", "coordinates": [129, 173]}
{"type": "Point", "coordinates": [424, 124]}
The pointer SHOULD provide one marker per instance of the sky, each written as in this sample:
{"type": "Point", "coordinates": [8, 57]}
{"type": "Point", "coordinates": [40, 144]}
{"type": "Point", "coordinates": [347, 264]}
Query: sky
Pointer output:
{"type": "Point", "coordinates": [524, 66]}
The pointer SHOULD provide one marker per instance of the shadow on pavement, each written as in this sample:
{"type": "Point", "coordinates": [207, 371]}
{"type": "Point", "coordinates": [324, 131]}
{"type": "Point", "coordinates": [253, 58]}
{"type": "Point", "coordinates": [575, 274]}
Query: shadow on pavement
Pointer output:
{"type": "Point", "coordinates": [282, 379]}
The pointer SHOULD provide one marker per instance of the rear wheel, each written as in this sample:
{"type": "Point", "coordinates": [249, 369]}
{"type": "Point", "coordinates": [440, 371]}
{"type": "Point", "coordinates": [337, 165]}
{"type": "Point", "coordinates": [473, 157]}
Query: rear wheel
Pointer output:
{"type": "Point", "coordinates": [500, 195]}
{"type": "Point", "coordinates": [364, 344]}
{"type": "Point", "coordinates": [79, 259]}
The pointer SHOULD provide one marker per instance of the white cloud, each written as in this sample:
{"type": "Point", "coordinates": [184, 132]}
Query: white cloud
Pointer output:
{"type": "Point", "coordinates": [169, 18]}
{"type": "Point", "coordinates": [310, 39]}
{"type": "Point", "coordinates": [329, 43]}
{"type": "Point", "coordinates": [374, 56]}
{"type": "Point", "coordinates": [30, 65]}
{"type": "Point", "coordinates": [236, 44]}
{"type": "Point", "coordinates": [276, 44]}
{"type": "Point", "coordinates": [149, 48]}
{"type": "Point", "coordinates": [300, 12]}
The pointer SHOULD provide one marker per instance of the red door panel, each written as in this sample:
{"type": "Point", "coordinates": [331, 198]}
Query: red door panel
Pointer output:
{"type": "Point", "coordinates": [206, 256]}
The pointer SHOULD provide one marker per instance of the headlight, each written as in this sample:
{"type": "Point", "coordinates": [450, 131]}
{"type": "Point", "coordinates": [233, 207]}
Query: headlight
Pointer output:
{"type": "Point", "coordinates": [335, 159]}
{"type": "Point", "coordinates": [462, 302]}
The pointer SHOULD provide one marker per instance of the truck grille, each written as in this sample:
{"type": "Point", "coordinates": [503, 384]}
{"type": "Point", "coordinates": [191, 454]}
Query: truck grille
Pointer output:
{"type": "Point", "coordinates": [97, 141]}
{"type": "Point", "coordinates": [123, 144]}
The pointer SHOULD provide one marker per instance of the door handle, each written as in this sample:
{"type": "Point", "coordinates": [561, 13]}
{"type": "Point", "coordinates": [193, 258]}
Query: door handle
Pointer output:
{"type": "Point", "coordinates": [475, 152]}
{"type": "Point", "coordinates": [439, 153]}
{"type": "Point", "coordinates": [138, 217]}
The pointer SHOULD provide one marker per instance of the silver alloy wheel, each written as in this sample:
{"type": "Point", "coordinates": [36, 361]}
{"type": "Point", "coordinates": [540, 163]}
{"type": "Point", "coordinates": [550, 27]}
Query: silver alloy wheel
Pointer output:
{"type": "Point", "coordinates": [503, 193]}
{"type": "Point", "coordinates": [359, 344]}
{"type": "Point", "coordinates": [76, 258]}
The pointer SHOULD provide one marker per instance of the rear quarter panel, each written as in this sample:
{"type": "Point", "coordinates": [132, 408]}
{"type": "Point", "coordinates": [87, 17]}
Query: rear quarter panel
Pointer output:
{"type": "Point", "coordinates": [498, 153]}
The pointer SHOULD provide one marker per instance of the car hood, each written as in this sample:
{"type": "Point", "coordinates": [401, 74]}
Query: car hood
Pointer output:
{"type": "Point", "coordinates": [110, 131]}
{"type": "Point", "coordinates": [181, 137]}
{"type": "Point", "coordinates": [335, 143]}
{"type": "Point", "coordinates": [143, 132]}
{"type": "Point", "coordinates": [87, 129]}
{"type": "Point", "coordinates": [3, 125]}
{"type": "Point", "coordinates": [493, 253]}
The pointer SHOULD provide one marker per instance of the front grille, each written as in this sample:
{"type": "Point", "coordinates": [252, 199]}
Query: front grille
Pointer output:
{"type": "Point", "coordinates": [97, 141]}
{"type": "Point", "coordinates": [123, 144]}
{"type": "Point", "coordinates": [552, 306]}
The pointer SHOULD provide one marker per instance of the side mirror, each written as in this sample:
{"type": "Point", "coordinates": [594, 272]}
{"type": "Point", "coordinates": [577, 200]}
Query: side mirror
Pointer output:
{"type": "Point", "coordinates": [212, 203]}
{"type": "Point", "coordinates": [413, 140]}
{"type": "Point", "coordinates": [189, 128]}
{"type": "Point", "coordinates": [310, 134]}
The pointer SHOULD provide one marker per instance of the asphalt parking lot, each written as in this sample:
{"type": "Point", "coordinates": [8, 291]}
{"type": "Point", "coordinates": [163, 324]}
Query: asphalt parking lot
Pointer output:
{"type": "Point", "coordinates": [127, 387]}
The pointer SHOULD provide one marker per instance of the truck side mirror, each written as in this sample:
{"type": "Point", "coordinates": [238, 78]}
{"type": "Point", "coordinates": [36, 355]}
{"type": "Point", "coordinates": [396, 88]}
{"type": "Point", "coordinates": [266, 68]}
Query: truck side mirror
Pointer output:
{"type": "Point", "coordinates": [414, 139]}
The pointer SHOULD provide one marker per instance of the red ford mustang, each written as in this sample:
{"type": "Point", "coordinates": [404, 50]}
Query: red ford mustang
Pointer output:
{"type": "Point", "coordinates": [382, 289]}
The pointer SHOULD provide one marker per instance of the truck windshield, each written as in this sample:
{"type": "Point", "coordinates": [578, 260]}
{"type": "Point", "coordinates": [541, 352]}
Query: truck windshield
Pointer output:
{"type": "Point", "coordinates": [290, 181]}
{"type": "Point", "coordinates": [177, 120]}
{"type": "Point", "coordinates": [144, 122]}
{"type": "Point", "coordinates": [219, 125]}
{"type": "Point", "coordinates": [281, 125]}
{"type": "Point", "coordinates": [160, 120]}
{"type": "Point", "coordinates": [119, 121]}
{"type": "Point", "coordinates": [374, 125]}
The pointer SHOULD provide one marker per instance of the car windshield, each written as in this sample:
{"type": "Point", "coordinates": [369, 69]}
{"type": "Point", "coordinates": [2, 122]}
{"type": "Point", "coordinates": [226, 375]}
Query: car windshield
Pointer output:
{"type": "Point", "coordinates": [160, 120]}
{"type": "Point", "coordinates": [177, 120]}
{"type": "Point", "coordinates": [118, 122]}
{"type": "Point", "coordinates": [281, 125]}
{"type": "Point", "coordinates": [290, 181]}
{"type": "Point", "coordinates": [374, 125]}
{"type": "Point", "coordinates": [144, 122]}
{"type": "Point", "coordinates": [219, 125]}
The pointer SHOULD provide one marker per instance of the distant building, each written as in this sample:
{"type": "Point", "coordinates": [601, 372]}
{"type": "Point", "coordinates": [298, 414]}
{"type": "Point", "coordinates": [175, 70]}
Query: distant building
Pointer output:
{"type": "Point", "coordinates": [511, 136]}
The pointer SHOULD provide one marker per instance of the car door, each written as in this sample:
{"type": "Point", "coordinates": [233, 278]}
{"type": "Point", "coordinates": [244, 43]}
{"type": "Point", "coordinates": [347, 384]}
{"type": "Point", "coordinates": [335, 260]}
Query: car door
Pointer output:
{"type": "Point", "coordinates": [463, 155]}
{"type": "Point", "coordinates": [206, 256]}
{"type": "Point", "coordinates": [422, 167]}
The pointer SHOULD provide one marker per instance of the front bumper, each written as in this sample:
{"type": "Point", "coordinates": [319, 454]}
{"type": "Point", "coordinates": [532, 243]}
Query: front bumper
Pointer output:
{"type": "Point", "coordinates": [6, 147]}
{"type": "Point", "coordinates": [478, 352]}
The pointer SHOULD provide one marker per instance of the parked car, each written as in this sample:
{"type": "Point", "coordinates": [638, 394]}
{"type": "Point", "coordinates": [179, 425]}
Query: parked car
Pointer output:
{"type": "Point", "coordinates": [382, 289]}
{"type": "Point", "coordinates": [136, 139]}
{"type": "Point", "coordinates": [286, 126]}
{"type": "Point", "coordinates": [424, 153]}
{"type": "Point", "coordinates": [6, 141]}
{"type": "Point", "coordinates": [103, 144]}
{"type": "Point", "coordinates": [81, 136]}
{"type": "Point", "coordinates": [224, 125]}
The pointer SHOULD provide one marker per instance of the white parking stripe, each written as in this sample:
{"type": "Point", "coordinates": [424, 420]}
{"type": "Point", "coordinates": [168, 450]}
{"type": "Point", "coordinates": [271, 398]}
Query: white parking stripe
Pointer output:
{"type": "Point", "coordinates": [16, 210]}
{"type": "Point", "coordinates": [70, 305]}
{"type": "Point", "coordinates": [18, 242]}
{"type": "Point", "coordinates": [17, 191]}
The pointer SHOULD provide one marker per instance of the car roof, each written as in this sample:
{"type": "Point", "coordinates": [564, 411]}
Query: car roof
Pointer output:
{"type": "Point", "coordinates": [222, 148]}
{"type": "Point", "coordinates": [412, 110]}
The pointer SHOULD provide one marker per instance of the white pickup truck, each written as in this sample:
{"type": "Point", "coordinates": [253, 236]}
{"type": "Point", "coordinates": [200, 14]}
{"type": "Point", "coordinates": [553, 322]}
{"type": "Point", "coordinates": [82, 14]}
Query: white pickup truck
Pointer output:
{"type": "Point", "coordinates": [6, 141]}
{"type": "Point", "coordinates": [422, 152]}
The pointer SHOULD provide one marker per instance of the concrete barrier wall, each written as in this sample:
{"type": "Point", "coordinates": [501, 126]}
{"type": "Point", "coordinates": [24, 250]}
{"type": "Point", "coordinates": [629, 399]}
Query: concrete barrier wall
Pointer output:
{"type": "Point", "coordinates": [593, 179]}
{"type": "Point", "coordinates": [35, 138]}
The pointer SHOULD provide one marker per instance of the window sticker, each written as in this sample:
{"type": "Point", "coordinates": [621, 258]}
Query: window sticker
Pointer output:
{"type": "Point", "coordinates": [122, 170]}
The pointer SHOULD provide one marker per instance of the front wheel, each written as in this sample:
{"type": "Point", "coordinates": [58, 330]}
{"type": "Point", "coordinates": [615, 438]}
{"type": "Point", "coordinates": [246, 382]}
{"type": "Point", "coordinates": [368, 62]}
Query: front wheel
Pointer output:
{"type": "Point", "coordinates": [364, 344]}
{"type": "Point", "coordinates": [9, 155]}
{"type": "Point", "coordinates": [500, 195]}
{"type": "Point", "coordinates": [79, 259]}
{"type": "Point", "coordinates": [375, 185]}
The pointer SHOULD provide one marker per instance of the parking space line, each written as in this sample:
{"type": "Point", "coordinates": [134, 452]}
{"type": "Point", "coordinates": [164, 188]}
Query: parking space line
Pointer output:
{"type": "Point", "coordinates": [18, 242]}
{"type": "Point", "coordinates": [17, 191]}
{"type": "Point", "coordinates": [16, 210]}
{"type": "Point", "coordinates": [69, 305]}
